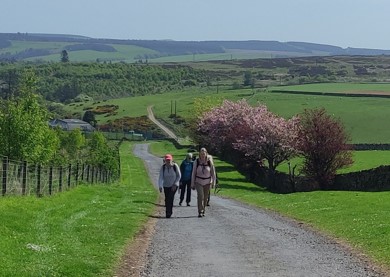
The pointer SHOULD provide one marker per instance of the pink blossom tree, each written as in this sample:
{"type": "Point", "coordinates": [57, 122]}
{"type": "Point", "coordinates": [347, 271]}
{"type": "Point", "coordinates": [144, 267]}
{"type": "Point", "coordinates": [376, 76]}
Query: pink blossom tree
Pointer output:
{"type": "Point", "coordinates": [254, 131]}
{"type": "Point", "coordinates": [269, 137]}
{"type": "Point", "coordinates": [220, 127]}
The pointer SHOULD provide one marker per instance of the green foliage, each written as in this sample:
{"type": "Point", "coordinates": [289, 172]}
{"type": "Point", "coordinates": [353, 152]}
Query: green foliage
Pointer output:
{"type": "Point", "coordinates": [72, 146]}
{"type": "Point", "coordinates": [24, 132]}
{"type": "Point", "coordinates": [89, 116]}
{"type": "Point", "coordinates": [323, 144]}
{"type": "Point", "coordinates": [63, 82]}
{"type": "Point", "coordinates": [101, 154]}
{"type": "Point", "coordinates": [64, 56]}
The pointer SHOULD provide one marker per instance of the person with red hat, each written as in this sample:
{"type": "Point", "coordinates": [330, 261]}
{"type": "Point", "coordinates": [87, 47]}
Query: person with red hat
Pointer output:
{"type": "Point", "coordinates": [168, 181]}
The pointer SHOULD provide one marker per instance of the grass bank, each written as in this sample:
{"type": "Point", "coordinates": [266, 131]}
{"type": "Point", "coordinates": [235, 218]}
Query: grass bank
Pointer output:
{"type": "Point", "coordinates": [81, 232]}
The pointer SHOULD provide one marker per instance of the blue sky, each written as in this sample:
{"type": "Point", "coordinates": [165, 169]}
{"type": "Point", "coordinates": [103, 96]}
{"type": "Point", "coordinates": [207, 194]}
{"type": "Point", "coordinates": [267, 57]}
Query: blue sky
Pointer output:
{"type": "Point", "coordinates": [344, 23]}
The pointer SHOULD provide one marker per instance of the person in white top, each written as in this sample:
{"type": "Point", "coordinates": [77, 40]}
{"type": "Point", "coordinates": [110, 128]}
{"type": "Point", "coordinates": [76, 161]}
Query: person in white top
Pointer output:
{"type": "Point", "coordinates": [168, 181]}
{"type": "Point", "coordinates": [203, 178]}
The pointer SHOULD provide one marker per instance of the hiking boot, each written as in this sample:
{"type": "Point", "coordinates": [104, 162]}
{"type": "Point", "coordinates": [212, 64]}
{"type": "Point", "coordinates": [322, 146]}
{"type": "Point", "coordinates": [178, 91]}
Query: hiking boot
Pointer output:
{"type": "Point", "coordinates": [199, 215]}
{"type": "Point", "coordinates": [180, 203]}
{"type": "Point", "coordinates": [188, 204]}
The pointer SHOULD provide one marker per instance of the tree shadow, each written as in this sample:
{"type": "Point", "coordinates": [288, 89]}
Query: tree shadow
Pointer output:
{"type": "Point", "coordinates": [237, 187]}
{"type": "Point", "coordinates": [156, 204]}
{"type": "Point", "coordinates": [224, 169]}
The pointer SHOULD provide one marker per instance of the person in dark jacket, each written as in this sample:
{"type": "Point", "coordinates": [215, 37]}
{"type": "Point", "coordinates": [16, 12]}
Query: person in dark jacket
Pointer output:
{"type": "Point", "coordinates": [185, 181]}
{"type": "Point", "coordinates": [168, 181]}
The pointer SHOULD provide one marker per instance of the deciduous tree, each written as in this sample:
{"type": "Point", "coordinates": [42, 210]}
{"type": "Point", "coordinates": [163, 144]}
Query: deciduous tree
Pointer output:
{"type": "Point", "coordinates": [323, 144]}
{"type": "Point", "coordinates": [24, 129]}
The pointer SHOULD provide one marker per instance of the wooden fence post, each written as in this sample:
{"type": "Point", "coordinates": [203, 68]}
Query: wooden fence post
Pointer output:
{"type": "Point", "coordinates": [39, 181]}
{"type": "Point", "coordinates": [24, 178]}
{"type": "Point", "coordinates": [60, 179]}
{"type": "Point", "coordinates": [87, 173]}
{"type": "Point", "coordinates": [50, 179]}
{"type": "Point", "coordinates": [77, 174]}
{"type": "Point", "coordinates": [69, 174]}
{"type": "Point", "coordinates": [82, 172]}
{"type": "Point", "coordinates": [5, 164]}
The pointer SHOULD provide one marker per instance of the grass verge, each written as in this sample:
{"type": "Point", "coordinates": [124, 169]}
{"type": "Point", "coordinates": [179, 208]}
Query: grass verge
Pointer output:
{"type": "Point", "coordinates": [81, 232]}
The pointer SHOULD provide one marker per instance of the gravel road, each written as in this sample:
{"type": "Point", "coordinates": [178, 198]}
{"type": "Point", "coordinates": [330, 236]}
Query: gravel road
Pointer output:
{"type": "Point", "coordinates": [234, 239]}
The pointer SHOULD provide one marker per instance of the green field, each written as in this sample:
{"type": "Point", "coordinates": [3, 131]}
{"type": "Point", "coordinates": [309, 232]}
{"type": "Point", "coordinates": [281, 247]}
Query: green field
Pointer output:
{"type": "Point", "coordinates": [338, 87]}
{"type": "Point", "coordinates": [365, 118]}
{"type": "Point", "coordinates": [125, 53]}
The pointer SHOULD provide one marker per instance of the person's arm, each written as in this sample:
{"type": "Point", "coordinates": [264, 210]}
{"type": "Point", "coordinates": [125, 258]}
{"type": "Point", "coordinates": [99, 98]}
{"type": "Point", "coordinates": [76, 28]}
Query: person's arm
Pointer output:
{"type": "Point", "coordinates": [178, 175]}
{"type": "Point", "coordinates": [181, 169]}
{"type": "Point", "coordinates": [194, 166]}
{"type": "Point", "coordinates": [161, 179]}
{"type": "Point", "coordinates": [213, 175]}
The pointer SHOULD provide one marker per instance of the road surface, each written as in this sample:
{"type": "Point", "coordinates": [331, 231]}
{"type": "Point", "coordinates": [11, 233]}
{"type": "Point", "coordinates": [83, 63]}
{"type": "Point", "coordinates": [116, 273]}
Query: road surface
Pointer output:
{"type": "Point", "coordinates": [234, 239]}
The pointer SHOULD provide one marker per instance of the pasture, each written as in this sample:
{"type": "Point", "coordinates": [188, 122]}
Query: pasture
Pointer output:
{"type": "Point", "coordinates": [365, 118]}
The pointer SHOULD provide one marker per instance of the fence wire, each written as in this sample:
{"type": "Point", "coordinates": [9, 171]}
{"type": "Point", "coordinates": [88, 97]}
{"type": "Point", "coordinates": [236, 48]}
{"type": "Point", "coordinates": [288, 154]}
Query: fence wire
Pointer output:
{"type": "Point", "coordinates": [20, 178]}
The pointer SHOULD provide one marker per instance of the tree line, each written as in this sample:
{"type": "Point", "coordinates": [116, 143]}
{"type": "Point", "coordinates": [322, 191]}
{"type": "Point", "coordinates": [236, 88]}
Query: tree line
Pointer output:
{"type": "Point", "coordinates": [66, 82]}
{"type": "Point", "coordinates": [25, 134]}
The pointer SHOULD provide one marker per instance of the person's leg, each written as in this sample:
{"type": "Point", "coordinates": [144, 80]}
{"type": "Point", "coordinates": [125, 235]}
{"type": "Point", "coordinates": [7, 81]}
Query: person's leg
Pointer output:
{"type": "Point", "coordinates": [167, 196]}
{"type": "Point", "coordinates": [188, 197]}
{"type": "Point", "coordinates": [206, 191]}
{"type": "Point", "coordinates": [199, 190]}
{"type": "Point", "coordinates": [182, 191]}
{"type": "Point", "coordinates": [208, 198]}
{"type": "Point", "coordinates": [170, 195]}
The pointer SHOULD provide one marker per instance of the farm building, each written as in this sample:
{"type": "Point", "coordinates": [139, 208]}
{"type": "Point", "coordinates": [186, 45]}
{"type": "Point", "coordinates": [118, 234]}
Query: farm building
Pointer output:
{"type": "Point", "coordinates": [71, 124]}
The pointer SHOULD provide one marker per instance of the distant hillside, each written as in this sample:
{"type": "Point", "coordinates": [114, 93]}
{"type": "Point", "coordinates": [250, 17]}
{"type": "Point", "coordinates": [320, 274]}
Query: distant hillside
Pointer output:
{"type": "Point", "coordinates": [47, 47]}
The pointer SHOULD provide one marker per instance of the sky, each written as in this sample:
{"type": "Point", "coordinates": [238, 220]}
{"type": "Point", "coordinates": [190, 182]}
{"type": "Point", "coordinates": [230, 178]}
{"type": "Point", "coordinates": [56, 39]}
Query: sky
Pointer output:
{"type": "Point", "coordinates": [343, 23]}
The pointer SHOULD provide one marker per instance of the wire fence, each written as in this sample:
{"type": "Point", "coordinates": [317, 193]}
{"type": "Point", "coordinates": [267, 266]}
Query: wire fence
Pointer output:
{"type": "Point", "coordinates": [21, 178]}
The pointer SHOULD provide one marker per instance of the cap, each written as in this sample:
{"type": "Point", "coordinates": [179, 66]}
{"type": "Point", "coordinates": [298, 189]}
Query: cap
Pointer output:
{"type": "Point", "coordinates": [168, 157]}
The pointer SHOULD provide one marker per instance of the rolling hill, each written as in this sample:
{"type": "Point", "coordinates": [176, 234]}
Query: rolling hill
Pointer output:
{"type": "Point", "coordinates": [48, 47]}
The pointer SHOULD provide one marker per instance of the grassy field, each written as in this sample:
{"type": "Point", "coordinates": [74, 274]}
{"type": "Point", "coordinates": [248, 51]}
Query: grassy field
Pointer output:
{"type": "Point", "coordinates": [365, 118]}
{"type": "Point", "coordinates": [362, 160]}
{"type": "Point", "coordinates": [338, 87]}
{"type": "Point", "coordinates": [125, 53]}
{"type": "Point", "coordinates": [82, 232]}
{"type": "Point", "coordinates": [359, 218]}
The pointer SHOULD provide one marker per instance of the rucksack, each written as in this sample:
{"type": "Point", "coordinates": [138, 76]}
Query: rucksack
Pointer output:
{"type": "Point", "coordinates": [173, 165]}
{"type": "Point", "coordinates": [209, 164]}
{"type": "Point", "coordinates": [197, 163]}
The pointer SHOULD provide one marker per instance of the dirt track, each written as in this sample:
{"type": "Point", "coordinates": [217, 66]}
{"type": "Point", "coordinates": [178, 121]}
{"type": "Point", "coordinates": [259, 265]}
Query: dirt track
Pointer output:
{"type": "Point", "coordinates": [234, 239]}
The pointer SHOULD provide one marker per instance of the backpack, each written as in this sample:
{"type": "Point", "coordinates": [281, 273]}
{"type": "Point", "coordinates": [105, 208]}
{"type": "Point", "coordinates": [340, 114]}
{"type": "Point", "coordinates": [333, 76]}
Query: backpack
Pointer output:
{"type": "Point", "coordinates": [209, 164]}
{"type": "Point", "coordinates": [186, 170]}
{"type": "Point", "coordinates": [173, 165]}
{"type": "Point", "coordinates": [197, 163]}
